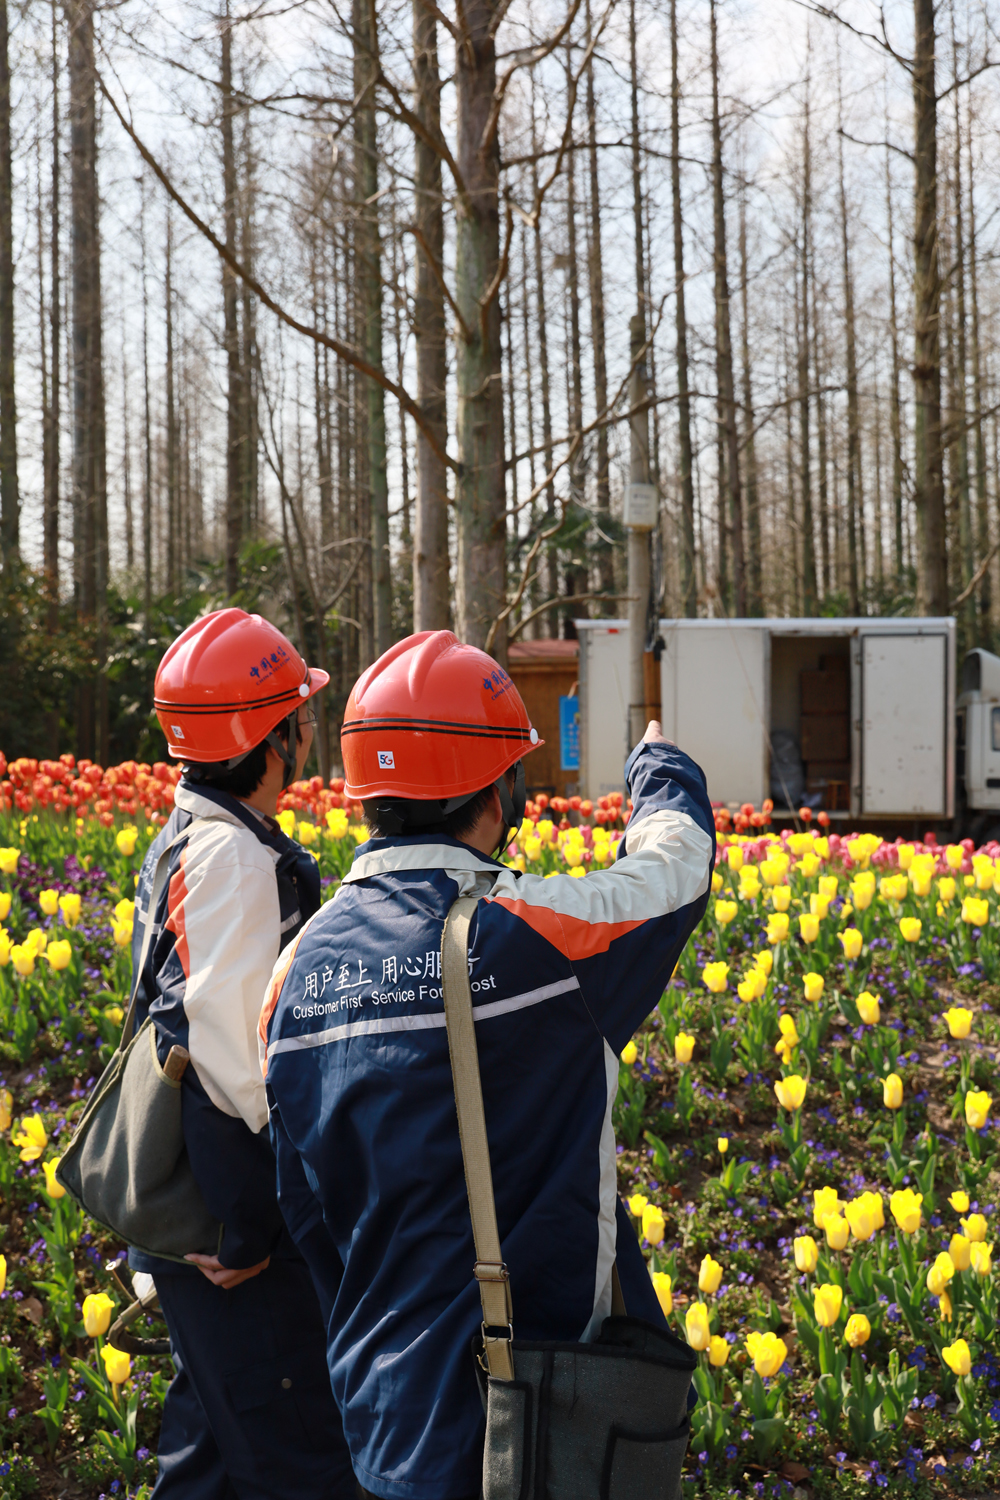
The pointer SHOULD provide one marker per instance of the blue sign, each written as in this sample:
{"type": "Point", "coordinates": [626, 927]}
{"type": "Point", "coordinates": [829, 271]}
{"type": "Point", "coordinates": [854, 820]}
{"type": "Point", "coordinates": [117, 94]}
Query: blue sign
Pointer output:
{"type": "Point", "coordinates": [569, 733]}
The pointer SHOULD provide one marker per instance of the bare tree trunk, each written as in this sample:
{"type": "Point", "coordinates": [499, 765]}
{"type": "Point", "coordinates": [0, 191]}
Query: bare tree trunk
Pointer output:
{"type": "Point", "coordinates": [127, 459]}
{"type": "Point", "coordinates": [959, 401]}
{"type": "Point", "coordinates": [689, 588]}
{"type": "Point", "coordinates": [147, 434]}
{"type": "Point", "coordinates": [550, 578]}
{"type": "Point", "coordinates": [50, 431]}
{"type": "Point", "coordinates": [481, 493]}
{"type": "Point", "coordinates": [576, 575]}
{"type": "Point", "coordinates": [855, 500]}
{"type": "Point", "coordinates": [235, 375]}
{"type": "Point", "coordinates": [10, 504]}
{"type": "Point", "coordinates": [605, 555]}
{"type": "Point", "coordinates": [895, 413]}
{"type": "Point", "coordinates": [755, 579]}
{"type": "Point", "coordinates": [431, 606]}
{"type": "Point", "coordinates": [928, 477]}
{"type": "Point", "coordinates": [89, 491]}
{"type": "Point", "coordinates": [249, 354]}
{"type": "Point", "coordinates": [368, 251]}
{"type": "Point", "coordinates": [809, 592]}
{"type": "Point", "coordinates": [821, 368]}
{"type": "Point", "coordinates": [982, 505]}
{"type": "Point", "coordinates": [723, 340]}
{"type": "Point", "coordinates": [173, 497]}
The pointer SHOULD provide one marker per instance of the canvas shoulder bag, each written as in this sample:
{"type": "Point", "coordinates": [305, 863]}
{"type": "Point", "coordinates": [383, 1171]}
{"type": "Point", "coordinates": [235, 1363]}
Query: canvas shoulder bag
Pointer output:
{"type": "Point", "coordinates": [564, 1421]}
{"type": "Point", "coordinates": [127, 1165]}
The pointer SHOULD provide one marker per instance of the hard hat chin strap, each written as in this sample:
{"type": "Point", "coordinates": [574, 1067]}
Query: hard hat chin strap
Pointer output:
{"type": "Point", "coordinates": [286, 751]}
{"type": "Point", "coordinates": [512, 804]}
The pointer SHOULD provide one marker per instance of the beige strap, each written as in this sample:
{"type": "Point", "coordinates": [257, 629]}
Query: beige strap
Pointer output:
{"type": "Point", "coordinates": [489, 1270]}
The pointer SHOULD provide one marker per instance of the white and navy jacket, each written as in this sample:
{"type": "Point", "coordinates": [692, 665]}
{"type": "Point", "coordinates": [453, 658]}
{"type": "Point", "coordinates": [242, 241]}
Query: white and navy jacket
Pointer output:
{"type": "Point", "coordinates": [238, 891]}
{"type": "Point", "coordinates": [363, 1115]}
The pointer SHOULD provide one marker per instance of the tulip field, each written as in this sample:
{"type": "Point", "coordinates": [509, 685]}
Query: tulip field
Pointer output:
{"type": "Point", "coordinates": [807, 1143]}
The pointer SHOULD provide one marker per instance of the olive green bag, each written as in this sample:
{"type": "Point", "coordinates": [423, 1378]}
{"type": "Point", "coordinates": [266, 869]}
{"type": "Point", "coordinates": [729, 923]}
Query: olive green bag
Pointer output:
{"type": "Point", "coordinates": [127, 1165]}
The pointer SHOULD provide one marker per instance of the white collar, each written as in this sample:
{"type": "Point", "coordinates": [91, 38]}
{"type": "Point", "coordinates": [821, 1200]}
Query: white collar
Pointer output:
{"type": "Point", "coordinates": [418, 857]}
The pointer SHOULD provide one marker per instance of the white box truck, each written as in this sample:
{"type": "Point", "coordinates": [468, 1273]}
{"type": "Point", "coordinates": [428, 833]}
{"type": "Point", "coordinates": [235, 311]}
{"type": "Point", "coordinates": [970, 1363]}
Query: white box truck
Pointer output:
{"type": "Point", "coordinates": [862, 716]}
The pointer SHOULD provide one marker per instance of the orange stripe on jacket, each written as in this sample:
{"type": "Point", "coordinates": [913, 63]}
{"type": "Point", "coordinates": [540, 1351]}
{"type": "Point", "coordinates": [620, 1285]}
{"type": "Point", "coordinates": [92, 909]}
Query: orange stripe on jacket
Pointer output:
{"type": "Point", "coordinates": [274, 995]}
{"type": "Point", "coordinates": [176, 896]}
{"type": "Point", "coordinates": [573, 936]}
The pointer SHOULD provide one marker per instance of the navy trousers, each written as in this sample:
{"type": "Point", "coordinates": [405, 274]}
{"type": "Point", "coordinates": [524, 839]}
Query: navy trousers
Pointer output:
{"type": "Point", "coordinates": [249, 1414]}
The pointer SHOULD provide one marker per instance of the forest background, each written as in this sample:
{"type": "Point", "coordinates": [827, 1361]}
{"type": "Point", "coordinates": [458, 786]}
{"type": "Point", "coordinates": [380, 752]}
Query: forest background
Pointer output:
{"type": "Point", "coordinates": [349, 310]}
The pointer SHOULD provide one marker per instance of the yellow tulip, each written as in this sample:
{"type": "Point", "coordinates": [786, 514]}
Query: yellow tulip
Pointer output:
{"type": "Point", "coordinates": [714, 977]}
{"type": "Point", "coordinates": [959, 1248]}
{"type": "Point", "coordinates": [31, 1138]}
{"type": "Point", "coordinates": [122, 932]}
{"type": "Point", "coordinates": [946, 889]}
{"type": "Point", "coordinates": [629, 1053]}
{"type": "Point", "coordinates": [723, 1144]}
{"type": "Point", "coordinates": [23, 958]}
{"type": "Point", "coordinates": [825, 1201]}
{"type": "Point", "coordinates": [954, 856]}
{"type": "Point", "coordinates": [920, 883]}
{"type": "Point", "coordinates": [97, 1310]}
{"type": "Point", "coordinates": [806, 1252]}
{"type": "Point", "coordinates": [827, 1301]}
{"type": "Point", "coordinates": [819, 905]}
{"type": "Point", "coordinates": [308, 833]}
{"type": "Point", "coordinates": [60, 954]}
{"type": "Point", "coordinates": [6, 1105]}
{"type": "Point", "coordinates": [8, 861]}
{"type": "Point", "coordinates": [808, 927]}
{"type": "Point", "coordinates": [858, 1330]}
{"type": "Point", "coordinates": [125, 840]}
{"type": "Point", "coordinates": [734, 858]}
{"type": "Point", "coordinates": [862, 890]}
{"type": "Point", "coordinates": [49, 902]}
{"type": "Point", "coordinates": [696, 1326]}
{"type": "Point", "coordinates": [286, 822]}
{"type": "Point", "coordinates": [868, 1008]}
{"type": "Point", "coordinates": [716, 882]}
{"type": "Point", "coordinates": [768, 1353]}
{"type": "Point", "coordinates": [654, 1226]}
{"type": "Point", "coordinates": [53, 1188]}
{"type": "Point", "coordinates": [904, 1205]}
{"type": "Point", "coordinates": [725, 911]}
{"type": "Point", "coordinates": [772, 871]}
{"type": "Point", "coordinates": [764, 961]}
{"type": "Point", "coordinates": [709, 1275]}
{"type": "Point", "coordinates": [904, 854]}
{"type": "Point", "coordinates": [940, 1274]}
{"type": "Point", "coordinates": [786, 1025]}
{"type": "Point", "coordinates": [892, 1091]}
{"type": "Point", "coordinates": [115, 1014]}
{"type": "Point", "coordinates": [910, 928]}
{"type": "Point", "coordinates": [4, 905]}
{"type": "Point", "coordinates": [3, 1272]}
{"type": "Point", "coordinates": [664, 1293]}
{"type": "Point", "coordinates": [749, 883]}
{"type": "Point", "coordinates": [636, 1204]}
{"type": "Point", "coordinates": [836, 1230]}
{"type": "Point", "coordinates": [894, 887]}
{"type": "Point", "coordinates": [860, 1216]}
{"type": "Point", "coordinates": [944, 1307]}
{"type": "Point", "coordinates": [781, 897]}
{"type": "Point", "coordinates": [117, 1365]}
{"type": "Point", "coordinates": [979, 1256]}
{"type": "Point", "coordinates": [862, 848]}
{"type": "Point", "coordinates": [959, 1021]}
{"type": "Point", "coordinates": [851, 942]}
{"type": "Point", "coordinates": [974, 1228]}
{"type": "Point", "coordinates": [37, 940]}
{"type": "Point", "coordinates": [813, 985]}
{"type": "Point", "coordinates": [828, 886]}
{"type": "Point", "coordinates": [975, 911]}
{"type": "Point", "coordinates": [752, 985]}
{"type": "Point", "coordinates": [977, 1107]}
{"type": "Point", "coordinates": [791, 1091]}
{"type": "Point", "coordinates": [957, 1355]}
{"type": "Point", "coordinates": [683, 1047]}
{"type": "Point", "coordinates": [69, 906]}
{"type": "Point", "coordinates": [718, 1351]}
{"type": "Point", "coordinates": [959, 1201]}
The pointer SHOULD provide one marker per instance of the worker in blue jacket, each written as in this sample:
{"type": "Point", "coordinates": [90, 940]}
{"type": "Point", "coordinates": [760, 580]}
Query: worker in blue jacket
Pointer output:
{"type": "Point", "coordinates": [353, 1039]}
{"type": "Point", "coordinates": [249, 1413]}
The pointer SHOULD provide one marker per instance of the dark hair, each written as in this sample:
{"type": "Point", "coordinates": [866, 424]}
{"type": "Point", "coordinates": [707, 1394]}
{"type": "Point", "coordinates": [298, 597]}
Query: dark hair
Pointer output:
{"type": "Point", "coordinates": [244, 779]}
{"type": "Point", "coordinates": [456, 825]}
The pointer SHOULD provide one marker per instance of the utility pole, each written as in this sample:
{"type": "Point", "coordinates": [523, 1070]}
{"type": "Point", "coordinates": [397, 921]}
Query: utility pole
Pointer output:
{"type": "Point", "coordinates": [641, 515]}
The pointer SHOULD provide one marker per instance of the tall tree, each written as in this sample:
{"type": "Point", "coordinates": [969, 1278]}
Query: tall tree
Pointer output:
{"type": "Point", "coordinates": [89, 473]}
{"type": "Point", "coordinates": [368, 249]}
{"type": "Point", "coordinates": [689, 588]}
{"type": "Point", "coordinates": [235, 375]}
{"type": "Point", "coordinates": [895, 411]}
{"type": "Point", "coordinates": [755, 577]}
{"type": "Point", "coordinates": [10, 505]}
{"type": "Point", "coordinates": [430, 549]}
{"type": "Point", "coordinates": [605, 556]}
{"type": "Point", "coordinates": [480, 490]}
{"type": "Point", "coordinates": [928, 462]}
{"type": "Point", "coordinates": [809, 591]}
{"type": "Point", "coordinates": [723, 341]}
{"type": "Point", "coordinates": [978, 426]}
{"type": "Point", "coordinates": [855, 496]}
{"type": "Point", "coordinates": [51, 424]}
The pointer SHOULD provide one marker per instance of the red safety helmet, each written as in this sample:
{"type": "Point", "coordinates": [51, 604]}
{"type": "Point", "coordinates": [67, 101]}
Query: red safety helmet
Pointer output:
{"type": "Point", "coordinates": [432, 719]}
{"type": "Point", "coordinates": [225, 685]}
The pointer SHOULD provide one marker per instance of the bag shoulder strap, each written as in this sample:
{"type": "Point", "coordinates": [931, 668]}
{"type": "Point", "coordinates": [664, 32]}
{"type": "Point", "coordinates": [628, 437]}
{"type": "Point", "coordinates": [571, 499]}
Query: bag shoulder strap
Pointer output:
{"type": "Point", "coordinates": [489, 1269]}
{"type": "Point", "coordinates": [159, 880]}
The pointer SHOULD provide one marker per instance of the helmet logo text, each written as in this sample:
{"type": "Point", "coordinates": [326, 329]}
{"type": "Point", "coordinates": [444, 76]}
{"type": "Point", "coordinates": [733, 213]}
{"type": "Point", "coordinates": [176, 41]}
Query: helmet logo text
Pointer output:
{"type": "Point", "coordinates": [177, 731]}
{"type": "Point", "coordinates": [386, 760]}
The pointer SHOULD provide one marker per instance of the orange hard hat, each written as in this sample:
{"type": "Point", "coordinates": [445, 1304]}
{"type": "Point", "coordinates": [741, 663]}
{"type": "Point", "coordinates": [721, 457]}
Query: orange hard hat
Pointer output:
{"type": "Point", "coordinates": [226, 682]}
{"type": "Point", "coordinates": [432, 718]}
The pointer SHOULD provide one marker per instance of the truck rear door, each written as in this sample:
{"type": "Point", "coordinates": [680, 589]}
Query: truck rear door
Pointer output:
{"type": "Point", "coordinates": [904, 723]}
